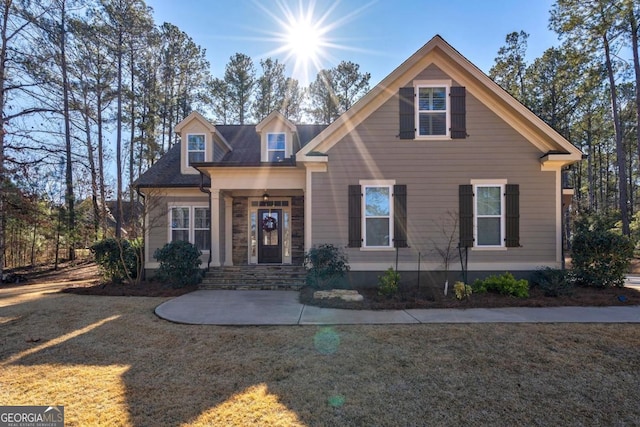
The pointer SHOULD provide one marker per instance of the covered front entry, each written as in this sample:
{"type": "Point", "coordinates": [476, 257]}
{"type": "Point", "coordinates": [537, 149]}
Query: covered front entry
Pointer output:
{"type": "Point", "coordinates": [270, 230]}
{"type": "Point", "coordinates": [269, 236]}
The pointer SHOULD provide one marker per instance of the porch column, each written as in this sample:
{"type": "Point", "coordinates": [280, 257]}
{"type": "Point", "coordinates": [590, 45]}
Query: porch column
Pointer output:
{"type": "Point", "coordinates": [228, 228]}
{"type": "Point", "coordinates": [215, 227]}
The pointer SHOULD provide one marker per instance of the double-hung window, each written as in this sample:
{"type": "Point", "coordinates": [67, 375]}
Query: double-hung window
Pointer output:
{"type": "Point", "coordinates": [191, 224]}
{"type": "Point", "coordinates": [195, 148]}
{"type": "Point", "coordinates": [489, 215]}
{"type": "Point", "coordinates": [276, 147]}
{"type": "Point", "coordinates": [432, 110]}
{"type": "Point", "coordinates": [378, 216]}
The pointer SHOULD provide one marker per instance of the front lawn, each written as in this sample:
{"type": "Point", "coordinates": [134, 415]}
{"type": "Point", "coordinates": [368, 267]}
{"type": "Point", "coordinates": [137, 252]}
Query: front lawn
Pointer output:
{"type": "Point", "coordinates": [110, 361]}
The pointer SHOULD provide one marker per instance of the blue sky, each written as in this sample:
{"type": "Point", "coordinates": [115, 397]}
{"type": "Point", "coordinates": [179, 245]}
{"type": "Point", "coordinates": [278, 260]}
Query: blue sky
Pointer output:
{"type": "Point", "coordinates": [378, 35]}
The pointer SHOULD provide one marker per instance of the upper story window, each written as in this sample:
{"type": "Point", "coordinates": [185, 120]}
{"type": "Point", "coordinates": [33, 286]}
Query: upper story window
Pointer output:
{"type": "Point", "coordinates": [276, 147]}
{"type": "Point", "coordinates": [195, 148]}
{"type": "Point", "coordinates": [432, 112]}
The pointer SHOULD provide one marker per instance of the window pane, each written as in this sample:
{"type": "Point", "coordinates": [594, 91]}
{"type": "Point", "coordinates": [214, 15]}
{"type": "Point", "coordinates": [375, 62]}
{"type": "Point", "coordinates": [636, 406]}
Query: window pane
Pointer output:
{"type": "Point", "coordinates": [276, 156]}
{"type": "Point", "coordinates": [439, 99]}
{"type": "Point", "coordinates": [432, 99]}
{"type": "Point", "coordinates": [489, 231]}
{"type": "Point", "coordinates": [275, 141]}
{"type": "Point", "coordinates": [203, 239]}
{"type": "Point", "coordinates": [489, 201]}
{"type": "Point", "coordinates": [177, 235]}
{"type": "Point", "coordinates": [433, 124]}
{"type": "Point", "coordinates": [377, 231]}
{"type": "Point", "coordinates": [201, 218]}
{"type": "Point", "coordinates": [180, 218]}
{"type": "Point", "coordinates": [195, 157]}
{"type": "Point", "coordinates": [196, 143]}
{"type": "Point", "coordinates": [377, 201]}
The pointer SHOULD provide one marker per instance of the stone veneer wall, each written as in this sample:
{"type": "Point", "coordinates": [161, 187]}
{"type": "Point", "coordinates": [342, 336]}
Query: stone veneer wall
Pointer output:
{"type": "Point", "coordinates": [239, 230]}
{"type": "Point", "coordinates": [241, 225]}
{"type": "Point", "coordinates": [297, 230]}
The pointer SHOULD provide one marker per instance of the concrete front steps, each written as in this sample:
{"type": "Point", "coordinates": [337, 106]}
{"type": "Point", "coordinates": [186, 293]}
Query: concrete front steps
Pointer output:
{"type": "Point", "coordinates": [263, 276]}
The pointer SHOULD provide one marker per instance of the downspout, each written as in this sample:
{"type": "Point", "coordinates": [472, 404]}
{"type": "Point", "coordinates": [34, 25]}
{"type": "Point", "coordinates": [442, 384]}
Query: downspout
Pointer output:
{"type": "Point", "coordinates": [562, 219]}
{"type": "Point", "coordinates": [207, 191]}
{"type": "Point", "coordinates": [143, 273]}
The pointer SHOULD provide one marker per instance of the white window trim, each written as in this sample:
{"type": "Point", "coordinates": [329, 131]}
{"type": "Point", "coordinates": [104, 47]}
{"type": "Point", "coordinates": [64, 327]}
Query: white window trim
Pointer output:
{"type": "Point", "coordinates": [417, 84]}
{"type": "Point", "coordinates": [187, 151]}
{"type": "Point", "coordinates": [489, 183]}
{"type": "Point", "coordinates": [286, 146]}
{"type": "Point", "coordinates": [192, 229]}
{"type": "Point", "coordinates": [364, 183]}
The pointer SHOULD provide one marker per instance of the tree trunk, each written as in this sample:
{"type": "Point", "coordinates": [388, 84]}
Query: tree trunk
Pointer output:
{"type": "Point", "coordinates": [118, 212]}
{"type": "Point", "coordinates": [621, 154]}
{"type": "Point", "coordinates": [69, 195]}
{"type": "Point", "coordinates": [3, 59]}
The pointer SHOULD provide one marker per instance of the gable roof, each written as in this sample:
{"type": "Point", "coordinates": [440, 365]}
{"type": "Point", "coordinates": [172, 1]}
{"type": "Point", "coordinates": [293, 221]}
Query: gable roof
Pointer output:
{"type": "Point", "coordinates": [437, 51]}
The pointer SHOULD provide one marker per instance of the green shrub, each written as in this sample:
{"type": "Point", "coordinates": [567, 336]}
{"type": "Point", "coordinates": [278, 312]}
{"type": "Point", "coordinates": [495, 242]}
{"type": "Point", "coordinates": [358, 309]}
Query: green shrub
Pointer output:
{"type": "Point", "coordinates": [600, 256]}
{"type": "Point", "coordinates": [116, 259]}
{"type": "Point", "coordinates": [553, 282]}
{"type": "Point", "coordinates": [388, 282]}
{"type": "Point", "coordinates": [505, 285]}
{"type": "Point", "coordinates": [462, 290]}
{"type": "Point", "coordinates": [326, 264]}
{"type": "Point", "coordinates": [179, 263]}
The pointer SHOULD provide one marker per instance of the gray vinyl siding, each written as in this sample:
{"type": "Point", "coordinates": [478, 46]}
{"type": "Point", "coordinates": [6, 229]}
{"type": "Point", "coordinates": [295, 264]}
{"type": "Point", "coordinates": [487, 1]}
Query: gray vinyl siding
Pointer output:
{"type": "Point", "coordinates": [432, 171]}
{"type": "Point", "coordinates": [158, 221]}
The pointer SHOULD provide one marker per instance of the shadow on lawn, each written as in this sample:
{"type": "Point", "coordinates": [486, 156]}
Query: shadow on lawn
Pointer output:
{"type": "Point", "coordinates": [115, 351]}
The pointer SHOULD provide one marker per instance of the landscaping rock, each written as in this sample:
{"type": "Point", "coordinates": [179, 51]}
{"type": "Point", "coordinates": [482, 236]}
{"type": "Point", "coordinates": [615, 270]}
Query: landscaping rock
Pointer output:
{"type": "Point", "coordinates": [343, 294]}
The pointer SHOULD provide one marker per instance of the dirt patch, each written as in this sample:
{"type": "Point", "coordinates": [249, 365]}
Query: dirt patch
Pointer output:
{"type": "Point", "coordinates": [83, 278]}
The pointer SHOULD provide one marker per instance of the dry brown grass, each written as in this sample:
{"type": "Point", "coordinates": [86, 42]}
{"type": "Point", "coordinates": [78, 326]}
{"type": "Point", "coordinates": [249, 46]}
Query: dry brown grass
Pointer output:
{"type": "Point", "coordinates": [110, 361]}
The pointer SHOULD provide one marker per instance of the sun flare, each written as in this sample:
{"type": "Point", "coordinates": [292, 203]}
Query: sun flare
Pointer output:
{"type": "Point", "coordinates": [304, 40]}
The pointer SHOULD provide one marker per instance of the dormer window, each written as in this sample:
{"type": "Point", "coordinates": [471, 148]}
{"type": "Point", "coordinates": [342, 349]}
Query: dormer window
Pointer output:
{"type": "Point", "coordinates": [195, 148]}
{"type": "Point", "coordinates": [276, 147]}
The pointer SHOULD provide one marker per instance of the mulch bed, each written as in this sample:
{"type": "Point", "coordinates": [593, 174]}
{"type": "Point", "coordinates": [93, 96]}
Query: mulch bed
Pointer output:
{"type": "Point", "coordinates": [144, 289]}
{"type": "Point", "coordinates": [428, 298]}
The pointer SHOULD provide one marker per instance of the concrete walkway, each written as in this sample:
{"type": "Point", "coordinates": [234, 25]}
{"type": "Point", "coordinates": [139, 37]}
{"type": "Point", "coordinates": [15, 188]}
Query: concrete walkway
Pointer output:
{"type": "Point", "coordinates": [283, 308]}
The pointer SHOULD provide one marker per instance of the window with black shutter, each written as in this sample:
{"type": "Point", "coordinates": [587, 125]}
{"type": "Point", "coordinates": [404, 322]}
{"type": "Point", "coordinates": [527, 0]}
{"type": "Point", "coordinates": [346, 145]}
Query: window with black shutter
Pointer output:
{"type": "Point", "coordinates": [489, 215]}
{"type": "Point", "coordinates": [424, 111]}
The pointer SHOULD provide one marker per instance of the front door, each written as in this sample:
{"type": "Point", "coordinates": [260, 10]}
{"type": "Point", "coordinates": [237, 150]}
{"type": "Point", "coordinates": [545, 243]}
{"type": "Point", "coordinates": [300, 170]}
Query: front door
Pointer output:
{"type": "Point", "coordinates": [269, 236]}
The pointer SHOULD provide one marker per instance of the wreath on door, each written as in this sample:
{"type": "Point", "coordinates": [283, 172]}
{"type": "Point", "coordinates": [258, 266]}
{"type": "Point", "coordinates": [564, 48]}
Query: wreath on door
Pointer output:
{"type": "Point", "coordinates": [269, 224]}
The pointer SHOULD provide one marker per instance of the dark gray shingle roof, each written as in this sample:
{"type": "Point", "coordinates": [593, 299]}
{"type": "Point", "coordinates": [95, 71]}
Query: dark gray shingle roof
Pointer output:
{"type": "Point", "coordinates": [245, 142]}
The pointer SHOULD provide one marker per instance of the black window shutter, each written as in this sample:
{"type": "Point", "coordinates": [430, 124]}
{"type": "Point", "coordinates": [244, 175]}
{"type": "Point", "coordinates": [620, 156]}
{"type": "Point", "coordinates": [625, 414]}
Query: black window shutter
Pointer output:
{"type": "Point", "coordinates": [465, 210]}
{"type": "Point", "coordinates": [458, 112]}
{"type": "Point", "coordinates": [400, 216]}
{"type": "Point", "coordinates": [355, 216]}
{"type": "Point", "coordinates": [407, 113]}
{"type": "Point", "coordinates": [512, 201]}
